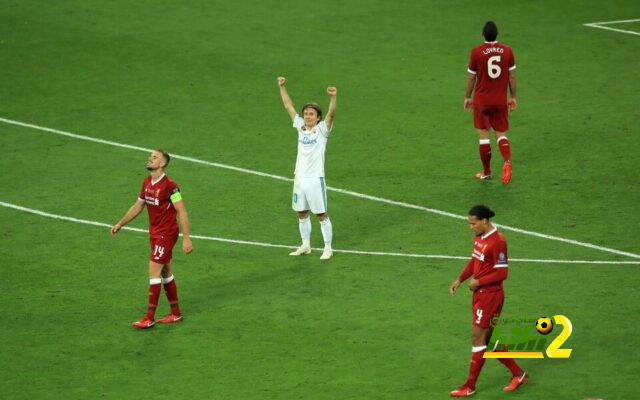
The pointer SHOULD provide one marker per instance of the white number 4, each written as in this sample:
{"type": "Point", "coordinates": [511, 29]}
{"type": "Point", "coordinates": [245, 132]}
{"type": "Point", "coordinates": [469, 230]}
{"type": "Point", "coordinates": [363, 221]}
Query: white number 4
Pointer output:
{"type": "Point", "coordinates": [158, 251]}
{"type": "Point", "coordinates": [479, 315]}
{"type": "Point", "coordinates": [494, 68]}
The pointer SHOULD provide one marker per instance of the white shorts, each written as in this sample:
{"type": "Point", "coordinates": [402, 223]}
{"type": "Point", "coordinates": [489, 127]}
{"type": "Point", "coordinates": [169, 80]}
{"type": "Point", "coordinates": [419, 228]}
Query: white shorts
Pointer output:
{"type": "Point", "coordinates": [309, 194]}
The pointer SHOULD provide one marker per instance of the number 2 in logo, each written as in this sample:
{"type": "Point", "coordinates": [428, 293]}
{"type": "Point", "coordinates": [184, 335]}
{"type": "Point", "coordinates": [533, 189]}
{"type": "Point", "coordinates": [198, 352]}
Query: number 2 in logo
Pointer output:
{"type": "Point", "coordinates": [554, 350]}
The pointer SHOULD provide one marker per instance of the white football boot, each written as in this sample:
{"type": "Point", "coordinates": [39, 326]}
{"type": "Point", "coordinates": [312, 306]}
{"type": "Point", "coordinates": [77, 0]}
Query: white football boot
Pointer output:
{"type": "Point", "coordinates": [302, 250]}
{"type": "Point", "coordinates": [327, 253]}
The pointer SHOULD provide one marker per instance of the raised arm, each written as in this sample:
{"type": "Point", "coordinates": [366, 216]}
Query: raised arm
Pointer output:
{"type": "Point", "coordinates": [286, 100]}
{"type": "Point", "coordinates": [133, 212]}
{"type": "Point", "coordinates": [512, 90]}
{"type": "Point", "coordinates": [333, 93]}
{"type": "Point", "coordinates": [187, 247]}
{"type": "Point", "coordinates": [471, 82]}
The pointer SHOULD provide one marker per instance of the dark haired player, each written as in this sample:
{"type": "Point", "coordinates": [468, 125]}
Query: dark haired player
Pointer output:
{"type": "Point", "coordinates": [491, 70]}
{"type": "Point", "coordinates": [162, 197]}
{"type": "Point", "coordinates": [309, 189]}
{"type": "Point", "coordinates": [489, 267]}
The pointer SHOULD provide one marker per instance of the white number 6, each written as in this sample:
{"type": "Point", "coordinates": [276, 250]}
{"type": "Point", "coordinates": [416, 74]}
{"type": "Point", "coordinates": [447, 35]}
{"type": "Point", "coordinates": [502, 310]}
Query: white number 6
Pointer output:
{"type": "Point", "coordinates": [494, 69]}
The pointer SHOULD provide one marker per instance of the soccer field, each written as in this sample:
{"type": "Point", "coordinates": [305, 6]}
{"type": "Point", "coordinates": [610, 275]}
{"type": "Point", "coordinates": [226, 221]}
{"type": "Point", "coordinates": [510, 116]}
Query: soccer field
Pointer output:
{"type": "Point", "coordinates": [89, 88]}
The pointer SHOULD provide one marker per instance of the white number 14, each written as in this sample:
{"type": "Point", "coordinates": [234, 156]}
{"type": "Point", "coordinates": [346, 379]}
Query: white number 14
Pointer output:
{"type": "Point", "coordinates": [158, 251]}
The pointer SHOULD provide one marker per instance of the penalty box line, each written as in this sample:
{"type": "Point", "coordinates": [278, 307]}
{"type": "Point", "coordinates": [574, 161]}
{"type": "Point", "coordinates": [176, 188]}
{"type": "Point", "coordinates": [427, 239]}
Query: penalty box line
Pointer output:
{"type": "Point", "coordinates": [599, 25]}
{"type": "Point", "coordinates": [282, 246]}
{"type": "Point", "coordinates": [343, 191]}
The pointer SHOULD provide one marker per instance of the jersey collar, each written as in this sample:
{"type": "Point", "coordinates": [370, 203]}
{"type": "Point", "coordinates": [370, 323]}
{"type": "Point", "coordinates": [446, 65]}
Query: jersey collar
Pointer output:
{"type": "Point", "coordinates": [312, 130]}
{"type": "Point", "coordinates": [491, 42]}
{"type": "Point", "coordinates": [159, 179]}
{"type": "Point", "coordinates": [491, 232]}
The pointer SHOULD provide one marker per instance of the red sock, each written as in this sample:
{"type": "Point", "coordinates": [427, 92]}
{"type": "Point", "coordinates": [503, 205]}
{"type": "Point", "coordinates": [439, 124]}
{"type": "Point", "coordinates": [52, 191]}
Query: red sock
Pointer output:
{"type": "Point", "coordinates": [171, 290]}
{"type": "Point", "coordinates": [485, 156]}
{"type": "Point", "coordinates": [474, 369]}
{"type": "Point", "coordinates": [505, 148]}
{"type": "Point", "coordinates": [154, 294]}
{"type": "Point", "coordinates": [510, 363]}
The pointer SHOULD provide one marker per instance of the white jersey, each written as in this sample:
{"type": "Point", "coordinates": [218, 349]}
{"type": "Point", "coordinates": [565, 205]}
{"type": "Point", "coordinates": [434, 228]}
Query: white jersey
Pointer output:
{"type": "Point", "coordinates": [311, 147]}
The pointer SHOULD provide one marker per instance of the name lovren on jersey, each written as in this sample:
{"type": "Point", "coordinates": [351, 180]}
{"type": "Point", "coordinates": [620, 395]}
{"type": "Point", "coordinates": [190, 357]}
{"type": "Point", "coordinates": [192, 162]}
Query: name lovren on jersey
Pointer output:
{"type": "Point", "coordinates": [490, 50]}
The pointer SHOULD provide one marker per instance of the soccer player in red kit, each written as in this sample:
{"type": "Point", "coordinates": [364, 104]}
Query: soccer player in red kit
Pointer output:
{"type": "Point", "coordinates": [162, 197]}
{"type": "Point", "coordinates": [489, 267]}
{"type": "Point", "coordinates": [491, 70]}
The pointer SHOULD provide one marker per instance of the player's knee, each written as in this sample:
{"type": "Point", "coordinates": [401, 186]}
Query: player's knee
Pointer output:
{"type": "Point", "coordinates": [483, 133]}
{"type": "Point", "coordinates": [478, 338]}
{"type": "Point", "coordinates": [322, 217]}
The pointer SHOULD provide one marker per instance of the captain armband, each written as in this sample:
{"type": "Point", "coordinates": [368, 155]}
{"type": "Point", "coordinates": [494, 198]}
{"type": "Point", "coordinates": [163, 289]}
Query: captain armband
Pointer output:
{"type": "Point", "coordinates": [175, 197]}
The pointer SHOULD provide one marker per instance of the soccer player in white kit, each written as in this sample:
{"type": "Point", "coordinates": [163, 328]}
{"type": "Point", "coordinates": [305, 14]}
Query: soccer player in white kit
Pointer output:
{"type": "Point", "coordinates": [309, 189]}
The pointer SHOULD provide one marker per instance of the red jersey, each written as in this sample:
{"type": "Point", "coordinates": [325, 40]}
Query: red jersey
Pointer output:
{"type": "Point", "coordinates": [489, 261]}
{"type": "Point", "coordinates": [491, 63]}
{"type": "Point", "coordinates": [157, 196]}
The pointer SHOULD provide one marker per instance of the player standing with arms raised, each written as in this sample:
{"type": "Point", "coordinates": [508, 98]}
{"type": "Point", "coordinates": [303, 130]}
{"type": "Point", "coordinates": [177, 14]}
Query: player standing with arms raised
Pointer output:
{"type": "Point", "coordinates": [491, 70]}
{"type": "Point", "coordinates": [309, 189]}
{"type": "Point", "coordinates": [162, 197]}
{"type": "Point", "coordinates": [489, 266]}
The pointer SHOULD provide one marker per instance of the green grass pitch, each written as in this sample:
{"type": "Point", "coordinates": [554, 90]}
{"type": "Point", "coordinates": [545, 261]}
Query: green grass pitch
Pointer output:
{"type": "Point", "coordinates": [199, 79]}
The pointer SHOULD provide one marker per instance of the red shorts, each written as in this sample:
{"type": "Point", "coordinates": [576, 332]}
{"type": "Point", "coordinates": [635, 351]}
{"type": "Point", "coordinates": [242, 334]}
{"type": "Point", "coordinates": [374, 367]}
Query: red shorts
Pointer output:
{"type": "Point", "coordinates": [485, 117]}
{"type": "Point", "coordinates": [485, 306]}
{"type": "Point", "coordinates": [162, 247]}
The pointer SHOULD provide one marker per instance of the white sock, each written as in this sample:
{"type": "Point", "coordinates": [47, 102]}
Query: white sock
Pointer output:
{"type": "Point", "coordinates": [327, 232]}
{"type": "Point", "coordinates": [305, 230]}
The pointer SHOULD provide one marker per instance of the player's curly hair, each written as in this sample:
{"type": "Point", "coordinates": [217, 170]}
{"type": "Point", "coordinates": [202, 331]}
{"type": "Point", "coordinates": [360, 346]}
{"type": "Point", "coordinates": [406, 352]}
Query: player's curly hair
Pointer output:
{"type": "Point", "coordinates": [315, 106]}
{"type": "Point", "coordinates": [482, 212]}
{"type": "Point", "coordinates": [490, 31]}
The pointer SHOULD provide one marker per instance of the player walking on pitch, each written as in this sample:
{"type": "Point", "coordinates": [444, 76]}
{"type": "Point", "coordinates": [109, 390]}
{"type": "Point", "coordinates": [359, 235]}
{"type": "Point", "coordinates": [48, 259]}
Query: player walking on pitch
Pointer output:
{"type": "Point", "coordinates": [162, 197]}
{"type": "Point", "coordinates": [491, 70]}
{"type": "Point", "coordinates": [489, 266]}
{"type": "Point", "coordinates": [309, 189]}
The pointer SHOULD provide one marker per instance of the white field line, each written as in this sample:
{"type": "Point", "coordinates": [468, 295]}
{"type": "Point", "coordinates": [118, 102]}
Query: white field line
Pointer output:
{"type": "Point", "coordinates": [282, 246]}
{"type": "Point", "coordinates": [348, 192]}
{"type": "Point", "coordinates": [599, 25]}
{"type": "Point", "coordinates": [621, 21]}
